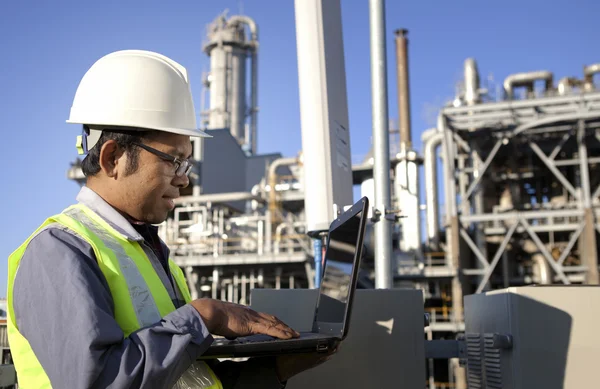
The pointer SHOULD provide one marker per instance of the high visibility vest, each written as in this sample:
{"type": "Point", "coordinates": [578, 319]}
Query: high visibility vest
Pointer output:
{"type": "Point", "coordinates": [140, 297]}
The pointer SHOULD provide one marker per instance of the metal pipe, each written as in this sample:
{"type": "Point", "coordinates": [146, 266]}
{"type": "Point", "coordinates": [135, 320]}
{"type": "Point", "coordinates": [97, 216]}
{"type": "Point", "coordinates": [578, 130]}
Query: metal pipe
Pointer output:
{"type": "Point", "coordinates": [278, 277]}
{"type": "Point", "coordinates": [197, 155]}
{"type": "Point", "coordinates": [566, 84]}
{"type": "Point", "coordinates": [192, 280]}
{"type": "Point", "coordinates": [381, 149]}
{"type": "Point", "coordinates": [527, 80]}
{"type": "Point", "coordinates": [471, 82]}
{"type": "Point", "coordinates": [541, 268]}
{"type": "Point", "coordinates": [317, 245]}
{"type": "Point", "coordinates": [478, 201]}
{"type": "Point", "coordinates": [268, 232]}
{"type": "Point", "coordinates": [235, 287]}
{"type": "Point", "coordinates": [588, 75]}
{"type": "Point", "coordinates": [215, 283]}
{"type": "Point", "coordinates": [272, 176]}
{"type": "Point", "coordinates": [260, 237]}
{"type": "Point", "coordinates": [261, 277]}
{"type": "Point", "coordinates": [278, 163]}
{"type": "Point", "coordinates": [244, 282]}
{"type": "Point", "coordinates": [448, 179]}
{"type": "Point", "coordinates": [238, 19]}
{"type": "Point", "coordinates": [453, 227]}
{"type": "Point", "coordinates": [278, 230]}
{"type": "Point", "coordinates": [218, 198]}
{"type": "Point", "coordinates": [431, 190]}
{"type": "Point", "coordinates": [403, 89]}
{"type": "Point", "coordinates": [254, 100]}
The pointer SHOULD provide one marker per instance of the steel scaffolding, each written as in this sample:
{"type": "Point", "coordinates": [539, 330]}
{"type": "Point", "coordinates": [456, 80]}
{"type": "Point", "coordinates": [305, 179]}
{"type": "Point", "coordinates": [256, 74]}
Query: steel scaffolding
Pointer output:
{"type": "Point", "coordinates": [524, 191]}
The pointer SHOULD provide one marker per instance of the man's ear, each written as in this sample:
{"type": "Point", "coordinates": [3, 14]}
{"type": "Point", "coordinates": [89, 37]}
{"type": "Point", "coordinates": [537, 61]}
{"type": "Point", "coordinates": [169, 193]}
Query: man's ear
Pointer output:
{"type": "Point", "coordinates": [110, 157]}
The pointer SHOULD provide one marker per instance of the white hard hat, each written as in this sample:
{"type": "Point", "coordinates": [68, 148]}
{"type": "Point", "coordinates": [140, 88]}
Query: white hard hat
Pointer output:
{"type": "Point", "coordinates": [139, 90]}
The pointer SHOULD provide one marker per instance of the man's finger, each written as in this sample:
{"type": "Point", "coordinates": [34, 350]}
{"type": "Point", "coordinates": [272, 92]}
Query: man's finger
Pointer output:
{"type": "Point", "coordinates": [271, 330]}
{"type": "Point", "coordinates": [278, 323]}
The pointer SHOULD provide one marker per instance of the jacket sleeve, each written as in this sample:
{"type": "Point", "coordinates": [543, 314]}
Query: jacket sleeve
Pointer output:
{"type": "Point", "coordinates": [63, 307]}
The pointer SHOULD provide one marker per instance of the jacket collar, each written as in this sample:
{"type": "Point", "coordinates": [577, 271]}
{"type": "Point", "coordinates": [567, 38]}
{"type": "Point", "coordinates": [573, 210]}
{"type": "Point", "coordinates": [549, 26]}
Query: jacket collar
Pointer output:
{"type": "Point", "coordinates": [97, 204]}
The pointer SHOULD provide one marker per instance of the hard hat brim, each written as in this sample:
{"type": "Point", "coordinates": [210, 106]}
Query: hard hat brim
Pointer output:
{"type": "Point", "coordinates": [181, 131]}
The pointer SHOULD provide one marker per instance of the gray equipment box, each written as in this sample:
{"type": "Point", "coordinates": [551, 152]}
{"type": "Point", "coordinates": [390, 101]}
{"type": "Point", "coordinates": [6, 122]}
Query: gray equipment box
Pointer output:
{"type": "Point", "coordinates": [385, 344]}
{"type": "Point", "coordinates": [533, 337]}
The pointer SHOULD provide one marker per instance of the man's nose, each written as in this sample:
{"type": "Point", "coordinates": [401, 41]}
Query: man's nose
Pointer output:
{"type": "Point", "coordinates": [181, 182]}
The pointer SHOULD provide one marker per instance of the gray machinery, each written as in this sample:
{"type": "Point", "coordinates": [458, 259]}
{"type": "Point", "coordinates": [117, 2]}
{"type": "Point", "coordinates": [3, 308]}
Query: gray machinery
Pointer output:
{"type": "Point", "coordinates": [532, 337]}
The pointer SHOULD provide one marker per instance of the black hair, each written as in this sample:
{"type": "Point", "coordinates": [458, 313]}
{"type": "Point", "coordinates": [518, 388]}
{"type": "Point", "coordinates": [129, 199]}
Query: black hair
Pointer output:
{"type": "Point", "coordinates": [126, 140]}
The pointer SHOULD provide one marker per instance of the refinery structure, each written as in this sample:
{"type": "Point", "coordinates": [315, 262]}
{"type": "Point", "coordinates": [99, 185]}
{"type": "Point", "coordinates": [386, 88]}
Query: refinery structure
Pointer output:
{"type": "Point", "coordinates": [517, 174]}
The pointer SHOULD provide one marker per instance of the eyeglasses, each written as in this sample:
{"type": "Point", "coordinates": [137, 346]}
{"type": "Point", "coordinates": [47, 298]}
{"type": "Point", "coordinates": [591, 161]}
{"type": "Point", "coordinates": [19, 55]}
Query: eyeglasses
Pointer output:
{"type": "Point", "coordinates": [182, 166]}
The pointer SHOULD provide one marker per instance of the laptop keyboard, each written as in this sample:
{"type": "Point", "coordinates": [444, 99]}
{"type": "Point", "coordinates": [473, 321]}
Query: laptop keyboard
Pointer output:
{"type": "Point", "coordinates": [262, 338]}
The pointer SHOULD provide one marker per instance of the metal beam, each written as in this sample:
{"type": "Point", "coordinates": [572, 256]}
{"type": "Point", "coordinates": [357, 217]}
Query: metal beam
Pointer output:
{"type": "Point", "coordinates": [462, 143]}
{"type": "Point", "coordinates": [509, 106]}
{"type": "Point", "coordinates": [537, 228]}
{"type": "Point", "coordinates": [559, 146]}
{"type": "Point", "coordinates": [481, 171]}
{"type": "Point", "coordinates": [596, 192]}
{"type": "Point", "coordinates": [553, 169]}
{"type": "Point", "coordinates": [497, 256]}
{"type": "Point", "coordinates": [475, 249]}
{"type": "Point", "coordinates": [574, 161]}
{"type": "Point", "coordinates": [453, 236]}
{"type": "Point", "coordinates": [584, 172]}
{"type": "Point", "coordinates": [473, 272]}
{"type": "Point", "coordinates": [590, 252]}
{"type": "Point", "coordinates": [524, 215]}
{"type": "Point", "coordinates": [570, 245]}
{"type": "Point", "coordinates": [545, 252]}
{"type": "Point", "coordinates": [555, 119]}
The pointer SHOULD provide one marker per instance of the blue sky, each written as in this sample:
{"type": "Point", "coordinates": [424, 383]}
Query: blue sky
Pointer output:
{"type": "Point", "coordinates": [48, 45]}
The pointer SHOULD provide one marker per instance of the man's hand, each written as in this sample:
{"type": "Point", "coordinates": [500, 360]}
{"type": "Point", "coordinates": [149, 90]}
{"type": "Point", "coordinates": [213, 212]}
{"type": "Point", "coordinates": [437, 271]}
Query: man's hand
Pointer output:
{"type": "Point", "coordinates": [233, 320]}
{"type": "Point", "coordinates": [288, 366]}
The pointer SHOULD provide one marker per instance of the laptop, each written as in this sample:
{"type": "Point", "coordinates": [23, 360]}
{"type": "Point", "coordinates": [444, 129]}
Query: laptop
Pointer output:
{"type": "Point", "coordinates": [334, 304]}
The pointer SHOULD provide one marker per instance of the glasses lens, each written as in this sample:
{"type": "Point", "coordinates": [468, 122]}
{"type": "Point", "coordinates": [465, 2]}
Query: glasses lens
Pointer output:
{"type": "Point", "coordinates": [184, 168]}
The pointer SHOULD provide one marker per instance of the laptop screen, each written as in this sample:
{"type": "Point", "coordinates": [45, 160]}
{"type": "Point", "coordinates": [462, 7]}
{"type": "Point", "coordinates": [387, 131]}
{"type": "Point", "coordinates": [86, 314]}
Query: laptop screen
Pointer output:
{"type": "Point", "coordinates": [337, 276]}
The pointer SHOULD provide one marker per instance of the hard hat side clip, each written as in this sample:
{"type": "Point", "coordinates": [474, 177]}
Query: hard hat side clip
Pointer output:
{"type": "Point", "coordinates": [81, 144]}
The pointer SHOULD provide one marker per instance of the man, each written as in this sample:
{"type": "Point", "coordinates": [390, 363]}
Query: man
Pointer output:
{"type": "Point", "coordinates": [94, 300]}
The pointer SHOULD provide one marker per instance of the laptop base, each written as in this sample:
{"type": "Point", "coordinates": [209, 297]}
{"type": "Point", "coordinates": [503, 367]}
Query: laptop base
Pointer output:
{"type": "Point", "coordinates": [263, 345]}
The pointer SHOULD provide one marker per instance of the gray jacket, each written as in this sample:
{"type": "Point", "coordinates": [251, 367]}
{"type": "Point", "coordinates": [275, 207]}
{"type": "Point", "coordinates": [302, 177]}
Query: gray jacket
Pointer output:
{"type": "Point", "coordinates": [64, 308]}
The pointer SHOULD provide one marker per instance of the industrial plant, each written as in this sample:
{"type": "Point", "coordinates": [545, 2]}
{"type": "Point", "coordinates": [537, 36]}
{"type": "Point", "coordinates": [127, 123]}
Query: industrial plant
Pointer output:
{"type": "Point", "coordinates": [516, 171]}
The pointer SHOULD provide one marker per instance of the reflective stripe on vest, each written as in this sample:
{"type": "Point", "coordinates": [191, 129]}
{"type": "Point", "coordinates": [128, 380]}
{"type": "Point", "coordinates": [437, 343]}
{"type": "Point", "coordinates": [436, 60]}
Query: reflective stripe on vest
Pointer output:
{"type": "Point", "coordinates": [140, 297]}
{"type": "Point", "coordinates": [144, 306]}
